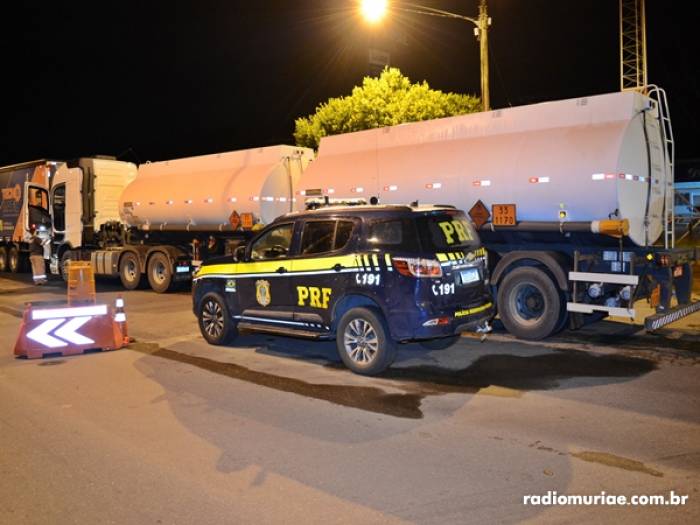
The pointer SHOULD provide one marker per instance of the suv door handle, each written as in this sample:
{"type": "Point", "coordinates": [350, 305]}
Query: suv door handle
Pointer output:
{"type": "Point", "coordinates": [338, 267]}
{"type": "Point", "coordinates": [281, 269]}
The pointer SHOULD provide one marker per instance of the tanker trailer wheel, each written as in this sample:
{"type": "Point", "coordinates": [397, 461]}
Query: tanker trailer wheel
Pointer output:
{"type": "Point", "coordinates": [529, 303]}
{"type": "Point", "coordinates": [3, 259]}
{"type": "Point", "coordinates": [160, 272]}
{"type": "Point", "coordinates": [130, 271]}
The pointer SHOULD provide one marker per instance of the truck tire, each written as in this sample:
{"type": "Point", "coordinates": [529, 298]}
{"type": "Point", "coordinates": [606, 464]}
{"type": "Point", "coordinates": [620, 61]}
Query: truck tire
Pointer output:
{"type": "Point", "coordinates": [130, 271]}
{"type": "Point", "coordinates": [14, 262]}
{"type": "Point", "coordinates": [160, 272]}
{"type": "Point", "coordinates": [529, 303]}
{"type": "Point", "coordinates": [66, 258]}
{"type": "Point", "coordinates": [3, 259]}
{"type": "Point", "coordinates": [215, 322]}
{"type": "Point", "coordinates": [364, 343]}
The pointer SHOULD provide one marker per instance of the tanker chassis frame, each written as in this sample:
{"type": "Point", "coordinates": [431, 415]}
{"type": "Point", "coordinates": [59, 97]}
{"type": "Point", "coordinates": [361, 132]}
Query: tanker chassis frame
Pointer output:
{"type": "Point", "coordinates": [166, 256]}
{"type": "Point", "coordinates": [543, 287]}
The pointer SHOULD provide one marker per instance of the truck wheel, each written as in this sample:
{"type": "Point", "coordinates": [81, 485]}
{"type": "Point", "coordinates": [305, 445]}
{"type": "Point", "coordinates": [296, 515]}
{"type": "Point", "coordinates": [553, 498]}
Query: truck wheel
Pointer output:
{"type": "Point", "coordinates": [364, 343]}
{"type": "Point", "coordinates": [66, 258]}
{"type": "Point", "coordinates": [529, 303]}
{"type": "Point", "coordinates": [215, 322]}
{"type": "Point", "coordinates": [130, 271]}
{"type": "Point", "coordinates": [442, 343]}
{"type": "Point", "coordinates": [13, 260]}
{"type": "Point", "coordinates": [160, 272]}
{"type": "Point", "coordinates": [3, 259]}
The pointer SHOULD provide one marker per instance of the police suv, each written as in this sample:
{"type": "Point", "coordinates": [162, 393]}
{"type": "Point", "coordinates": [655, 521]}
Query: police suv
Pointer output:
{"type": "Point", "coordinates": [368, 276]}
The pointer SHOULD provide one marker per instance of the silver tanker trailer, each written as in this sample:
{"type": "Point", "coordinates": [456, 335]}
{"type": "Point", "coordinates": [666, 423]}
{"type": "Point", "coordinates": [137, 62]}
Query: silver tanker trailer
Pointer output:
{"type": "Point", "coordinates": [574, 200]}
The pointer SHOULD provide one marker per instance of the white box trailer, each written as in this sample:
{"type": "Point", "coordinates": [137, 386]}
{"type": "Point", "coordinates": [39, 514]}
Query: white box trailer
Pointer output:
{"type": "Point", "coordinates": [578, 191]}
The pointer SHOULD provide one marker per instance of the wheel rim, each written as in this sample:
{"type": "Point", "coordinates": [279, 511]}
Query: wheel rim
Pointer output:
{"type": "Point", "coordinates": [130, 270]}
{"type": "Point", "coordinates": [361, 341]}
{"type": "Point", "coordinates": [528, 302]}
{"type": "Point", "coordinates": [64, 267]}
{"type": "Point", "coordinates": [3, 262]}
{"type": "Point", "coordinates": [14, 258]}
{"type": "Point", "coordinates": [159, 272]}
{"type": "Point", "coordinates": [213, 318]}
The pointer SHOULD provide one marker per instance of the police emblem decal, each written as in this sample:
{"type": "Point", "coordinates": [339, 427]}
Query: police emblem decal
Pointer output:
{"type": "Point", "coordinates": [262, 292]}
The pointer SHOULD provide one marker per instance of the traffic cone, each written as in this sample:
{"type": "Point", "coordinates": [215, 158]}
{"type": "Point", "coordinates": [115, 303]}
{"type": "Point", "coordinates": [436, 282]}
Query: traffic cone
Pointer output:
{"type": "Point", "coordinates": [120, 318]}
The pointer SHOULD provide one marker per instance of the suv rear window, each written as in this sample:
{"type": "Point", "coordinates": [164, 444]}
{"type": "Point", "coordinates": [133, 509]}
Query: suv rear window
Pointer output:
{"type": "Point", "coordinates": [393, 234]}
{"type": "Point", "coordinates": [450, 230]}
{"type": "Point", "coordinates": [325, 236]}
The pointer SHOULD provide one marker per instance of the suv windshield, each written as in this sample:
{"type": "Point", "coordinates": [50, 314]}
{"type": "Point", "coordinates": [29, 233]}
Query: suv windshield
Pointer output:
{"type": "Point", "coordinates": [447, 230]}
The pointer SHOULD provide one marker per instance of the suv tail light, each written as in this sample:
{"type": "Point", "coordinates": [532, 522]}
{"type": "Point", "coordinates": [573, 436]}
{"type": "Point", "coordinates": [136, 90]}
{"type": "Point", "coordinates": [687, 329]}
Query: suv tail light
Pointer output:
{"type": "Point", "coordinates": [417, 267]}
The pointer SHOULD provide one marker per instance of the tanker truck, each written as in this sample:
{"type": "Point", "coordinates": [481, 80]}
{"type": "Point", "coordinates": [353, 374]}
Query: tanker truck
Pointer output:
{"type": "Point", "coordinates": [24, 203]}
{"type": "Point", "coordinates": [157, 222]}
{"type": "Point", "coordinates": [573, 200]}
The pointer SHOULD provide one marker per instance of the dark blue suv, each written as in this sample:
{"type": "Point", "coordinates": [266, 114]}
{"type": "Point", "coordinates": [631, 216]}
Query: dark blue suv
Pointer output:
{"type": "Point", "coordinates": [368, 276]}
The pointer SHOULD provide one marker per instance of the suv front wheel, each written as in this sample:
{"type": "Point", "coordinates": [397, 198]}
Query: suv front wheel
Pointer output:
{"type": "Point", "coordinates": [364, 343]}
{"type": "Point", "coordinates": [215, 323]}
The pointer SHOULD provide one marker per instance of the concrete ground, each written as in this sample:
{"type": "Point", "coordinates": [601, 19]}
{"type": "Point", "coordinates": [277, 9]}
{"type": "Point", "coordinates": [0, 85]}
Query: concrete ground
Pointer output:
{"type": "Point", "coordinates": [274, 430]}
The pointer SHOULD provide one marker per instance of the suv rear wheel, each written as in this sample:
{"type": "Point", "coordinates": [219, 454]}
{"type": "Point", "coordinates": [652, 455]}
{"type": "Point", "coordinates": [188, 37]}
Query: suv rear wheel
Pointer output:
{"type": "Point", "coordinates": [3, 259]}
{"type": "Point", "coordinates": [364, 343]}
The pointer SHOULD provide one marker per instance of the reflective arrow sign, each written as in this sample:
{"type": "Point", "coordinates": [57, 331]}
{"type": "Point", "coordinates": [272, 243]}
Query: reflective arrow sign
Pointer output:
{"type": "Point", "coordinates": [67, 333]}
{"type": "Point", "coordinates": [41, 334]}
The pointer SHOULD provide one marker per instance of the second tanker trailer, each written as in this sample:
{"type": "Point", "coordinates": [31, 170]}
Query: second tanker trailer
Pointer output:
{"type": "Point", "coordinates": [571, 198]}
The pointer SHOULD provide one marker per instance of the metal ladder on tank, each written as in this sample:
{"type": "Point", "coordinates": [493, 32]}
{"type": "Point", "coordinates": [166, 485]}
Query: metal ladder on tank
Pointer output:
{"type": "Point", "coordinates": [659, 96]}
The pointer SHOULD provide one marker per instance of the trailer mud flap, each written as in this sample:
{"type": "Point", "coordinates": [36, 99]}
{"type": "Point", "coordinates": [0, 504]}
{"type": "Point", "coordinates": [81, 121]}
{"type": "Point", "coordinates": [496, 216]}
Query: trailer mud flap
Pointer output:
{"type": "Point", "coordinates": [656, 321]}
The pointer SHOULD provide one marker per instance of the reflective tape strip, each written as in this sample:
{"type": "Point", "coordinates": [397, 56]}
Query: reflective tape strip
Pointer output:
{"type": "Point", "coordinates": [365, 259]}
{"type": "Point", "coordinates": [387, 260]}
{"type": "Point", "coordinates": [375, 261]}
{"type": "Point", "coordinates": [451, 256]}
{"type": "Point", "coordinates": [120, 317]}
{"type": "Point", "coordinates": [266, 320]}
{"type": "Point", "coordinates": [441, 257]}
{"type": "Point", "coordinates": [78, 311]}
{"type": "Point", "coordinates": [281, 275]}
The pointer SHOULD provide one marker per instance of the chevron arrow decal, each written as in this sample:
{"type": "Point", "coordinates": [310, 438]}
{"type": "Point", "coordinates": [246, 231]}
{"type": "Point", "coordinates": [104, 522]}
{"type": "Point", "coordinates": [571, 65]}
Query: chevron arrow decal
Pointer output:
{"type": "Point", "coordinates": [62, 333]}
{"type": "Point", "coordinates": [41, 334]}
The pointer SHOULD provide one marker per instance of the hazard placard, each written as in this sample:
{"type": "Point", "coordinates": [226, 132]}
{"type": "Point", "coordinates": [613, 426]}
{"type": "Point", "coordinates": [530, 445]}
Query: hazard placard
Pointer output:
{"type": "Point", "coordinates": [479, 214]}
{"type": "Point", "coordinates": [503, 215]}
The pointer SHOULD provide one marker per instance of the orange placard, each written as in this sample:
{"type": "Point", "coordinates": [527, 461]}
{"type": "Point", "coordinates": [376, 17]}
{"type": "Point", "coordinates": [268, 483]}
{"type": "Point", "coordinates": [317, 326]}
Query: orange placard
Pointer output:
{"type": "Point", "coordinates": [503, 215]}
{"type": "Point", "coordinates": [246, 221]}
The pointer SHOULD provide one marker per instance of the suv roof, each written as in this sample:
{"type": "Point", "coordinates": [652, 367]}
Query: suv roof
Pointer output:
{"type": "Point", "coordinates": [366, 209]}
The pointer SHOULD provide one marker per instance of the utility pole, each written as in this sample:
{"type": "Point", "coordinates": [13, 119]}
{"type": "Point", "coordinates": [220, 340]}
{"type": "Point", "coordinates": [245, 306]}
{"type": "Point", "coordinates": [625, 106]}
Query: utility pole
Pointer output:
{"type": "Point", "coordinates": [483, 36]}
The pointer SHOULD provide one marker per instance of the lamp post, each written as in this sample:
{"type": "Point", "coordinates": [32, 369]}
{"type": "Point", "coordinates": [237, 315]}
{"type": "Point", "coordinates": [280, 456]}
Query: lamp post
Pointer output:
{"type": "Point", "coordinates": [374, 10]}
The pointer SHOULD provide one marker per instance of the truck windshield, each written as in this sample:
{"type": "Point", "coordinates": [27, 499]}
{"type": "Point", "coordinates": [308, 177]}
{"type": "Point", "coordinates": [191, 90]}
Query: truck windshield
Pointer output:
{"type": "Point", "coordinates": [448, 230]}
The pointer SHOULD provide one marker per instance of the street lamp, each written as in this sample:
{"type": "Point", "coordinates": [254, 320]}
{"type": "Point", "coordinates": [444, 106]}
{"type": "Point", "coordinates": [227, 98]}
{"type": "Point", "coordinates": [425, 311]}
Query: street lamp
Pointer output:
{"type": "Point", "coordinates": [374, 10]}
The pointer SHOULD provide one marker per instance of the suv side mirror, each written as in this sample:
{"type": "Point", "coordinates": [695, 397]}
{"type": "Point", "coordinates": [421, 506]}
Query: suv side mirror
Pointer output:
{"type": "Point", "coordinates": [239, 254]}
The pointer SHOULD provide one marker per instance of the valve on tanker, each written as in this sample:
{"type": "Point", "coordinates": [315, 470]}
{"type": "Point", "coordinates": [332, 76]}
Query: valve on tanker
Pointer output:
{"type": "Point", "coordinates": [595, 290]}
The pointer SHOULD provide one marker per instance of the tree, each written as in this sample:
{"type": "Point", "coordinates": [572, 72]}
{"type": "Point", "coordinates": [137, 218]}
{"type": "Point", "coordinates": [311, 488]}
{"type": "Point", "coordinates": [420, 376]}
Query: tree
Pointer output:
{"type": "Point", "coordinates": [386, 100]}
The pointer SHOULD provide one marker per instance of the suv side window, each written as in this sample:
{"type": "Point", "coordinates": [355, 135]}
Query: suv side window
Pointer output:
{"type": "Point", "coordinates": [394, 234]}
{"type": "Point", "coordinates": [274, 244]}
{"type": "Point", "coordinates": [325, 236]}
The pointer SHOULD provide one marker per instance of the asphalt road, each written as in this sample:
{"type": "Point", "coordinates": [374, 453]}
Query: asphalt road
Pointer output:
{"type": "Point", "coordinates": [274, 430]}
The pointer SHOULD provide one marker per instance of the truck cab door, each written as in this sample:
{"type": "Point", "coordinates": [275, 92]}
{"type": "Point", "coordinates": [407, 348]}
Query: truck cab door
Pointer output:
{"type": "Point", "coordinates": [36, 207]}
{"type": "Point", "coordinates": [66, 206]}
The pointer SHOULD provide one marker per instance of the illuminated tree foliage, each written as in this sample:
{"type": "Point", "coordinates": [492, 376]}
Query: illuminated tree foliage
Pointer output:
{"type": "Point", "coordinates": [381, 101]}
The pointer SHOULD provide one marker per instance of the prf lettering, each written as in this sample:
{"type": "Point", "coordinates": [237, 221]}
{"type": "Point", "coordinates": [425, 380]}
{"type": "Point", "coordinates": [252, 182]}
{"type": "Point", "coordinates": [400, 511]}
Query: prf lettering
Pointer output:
{"type": "Point", "coordinates": [452, 228]}
{"type": "Point", "coordinates": [317, 297]}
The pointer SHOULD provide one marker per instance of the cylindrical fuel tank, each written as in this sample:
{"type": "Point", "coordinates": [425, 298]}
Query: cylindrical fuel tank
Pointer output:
{"type": "Point", "coordinates": [205, 190]}
{"type": "Point", "coordinates": [578, 160]}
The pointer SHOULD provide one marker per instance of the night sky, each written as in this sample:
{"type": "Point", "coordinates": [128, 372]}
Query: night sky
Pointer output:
{"type": "Point", "coordinates": [156, 80]}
